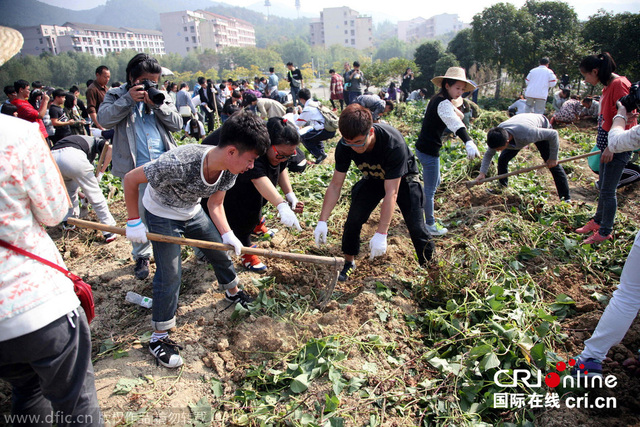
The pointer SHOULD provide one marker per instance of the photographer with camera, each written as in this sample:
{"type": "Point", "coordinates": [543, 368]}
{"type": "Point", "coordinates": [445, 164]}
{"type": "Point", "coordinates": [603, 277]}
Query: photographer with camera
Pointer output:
{"type": "Point", "coordinates": [143, 118]}
{"type": "Point", "coordinates": [26, 111]}
{"type": "Point", "coordinates": [600, 69]}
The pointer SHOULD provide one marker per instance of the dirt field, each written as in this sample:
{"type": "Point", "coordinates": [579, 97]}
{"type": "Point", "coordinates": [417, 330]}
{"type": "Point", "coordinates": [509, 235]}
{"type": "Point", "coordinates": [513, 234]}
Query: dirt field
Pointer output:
{"type": "Point", "coordinates": [217, 347]}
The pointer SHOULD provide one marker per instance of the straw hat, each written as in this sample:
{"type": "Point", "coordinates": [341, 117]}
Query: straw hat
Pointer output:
{"type": "Point", "coordinates": [10, 43]}
{"type": "Point", "coordinates": [455, 73]}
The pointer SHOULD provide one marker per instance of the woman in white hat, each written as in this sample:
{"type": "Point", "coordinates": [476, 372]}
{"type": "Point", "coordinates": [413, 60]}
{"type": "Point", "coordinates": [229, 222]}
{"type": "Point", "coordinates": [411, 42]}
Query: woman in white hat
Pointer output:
{"type": "Point", "coordinates": [440, 115]}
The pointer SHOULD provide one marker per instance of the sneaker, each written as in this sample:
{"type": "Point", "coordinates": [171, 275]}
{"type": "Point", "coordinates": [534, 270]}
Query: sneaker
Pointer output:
{"type": "Point", "coordinates": [347, 271]}
{"type": "Point", "coordinates": [588, 368]}
{"type": "Point", "coordinates": [67, 227]}
{"type": "Point", "coordinates": [436, 229]}
{"type": "Point", "coordinates": [141, 269]}
{"type": "Point", "coordinates": [590, 227]}
{"type": "Point", "coordinates": [166, 352]}
{"type": "Point", "coordinates": [241, 298]}
{"type": "Point", "coordinates": [261, 228]}
{"type": "Point", "coordinates": [253, 263]}
{"type": "Point", "coordinates": [321, 158]}
{"type": "Point", "coordinates": [110, 237]}
{"type": "Point", "coordinates": [596, 237]}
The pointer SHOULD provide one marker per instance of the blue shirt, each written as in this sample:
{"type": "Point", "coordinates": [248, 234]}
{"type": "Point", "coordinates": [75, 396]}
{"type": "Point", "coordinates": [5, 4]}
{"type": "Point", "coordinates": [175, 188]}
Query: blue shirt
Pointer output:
{"type": "Point", "coordinates": [149, 144]}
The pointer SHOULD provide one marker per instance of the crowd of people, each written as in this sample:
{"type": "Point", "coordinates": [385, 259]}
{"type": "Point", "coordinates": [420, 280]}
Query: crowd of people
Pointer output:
{"type": "Point", "coordinates": [216, 190]}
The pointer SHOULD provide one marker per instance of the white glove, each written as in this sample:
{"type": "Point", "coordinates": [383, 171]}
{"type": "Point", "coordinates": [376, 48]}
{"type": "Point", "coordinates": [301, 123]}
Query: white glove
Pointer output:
{"type": "Point", "coordinates": [292, 199]}
{"type": "Point", "coordinates": [229, 238]}
{"type": "Point", "coordinates": [136, 231]}
{"type": "Point", "coordinates": [378, 245]}
{"type": "Point", "coordinates": [320, 232]}
{"type": "Point", "coordinates": [472, 150]}
{"type": "Point", "coordinates": [287, 217]}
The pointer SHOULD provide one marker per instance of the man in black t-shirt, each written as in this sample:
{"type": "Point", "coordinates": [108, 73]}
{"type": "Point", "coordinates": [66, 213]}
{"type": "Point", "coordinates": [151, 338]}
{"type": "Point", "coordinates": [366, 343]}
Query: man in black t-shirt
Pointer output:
{"type": "Point", "coordinates": [294, 77]}
{"type": "Point", "coordinates": [389, 173]}
{"type": "Point", "coordinates": [59, 118]}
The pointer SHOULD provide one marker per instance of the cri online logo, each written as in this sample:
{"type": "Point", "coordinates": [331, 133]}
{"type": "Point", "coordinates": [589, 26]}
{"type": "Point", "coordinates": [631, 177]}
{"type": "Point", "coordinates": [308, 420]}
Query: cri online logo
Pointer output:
{"type": "Point", "coordinates": [552, 379]}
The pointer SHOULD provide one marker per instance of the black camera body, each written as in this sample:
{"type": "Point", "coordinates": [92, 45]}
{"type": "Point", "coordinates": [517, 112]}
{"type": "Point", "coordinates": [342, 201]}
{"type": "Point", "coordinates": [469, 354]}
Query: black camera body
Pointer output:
{"type": "Point", "coordinates": [152, 89]}
{"type": "Point", "coordinates": [632, 101]}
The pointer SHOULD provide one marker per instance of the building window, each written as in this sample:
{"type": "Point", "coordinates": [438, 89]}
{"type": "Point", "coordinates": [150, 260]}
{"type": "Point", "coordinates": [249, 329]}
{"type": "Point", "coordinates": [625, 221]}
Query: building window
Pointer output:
{"type": "Point", "coordinates": [346, 41]}
{"type": "Point", "coordinates": [345, 22]}
{"type": "Point", "coordinates": [353, 23]}
{"type": "Point", "coordinates": [353, 32]}
{"type": "Point", "coordinates": [193, 29]}
{"type": "Point", "coordinates": [41, 41]}
{"type": "Point", "coordinates": [185, 29]}
{"type": "Point", "coordinates": [353, 41]}
{"type": "Point", "coordinates": [346, 31]}
{"type": "Point", "coordinates": [187, 48]}
{"type": "Point", "coordinates": [193, 39]}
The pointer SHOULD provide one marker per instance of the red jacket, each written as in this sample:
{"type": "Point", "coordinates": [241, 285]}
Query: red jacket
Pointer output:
{"type": "Point", "coordinates": [30, 114]}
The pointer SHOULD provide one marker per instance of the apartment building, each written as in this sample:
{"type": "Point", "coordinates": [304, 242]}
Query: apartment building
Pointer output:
{"type": "Point", "coordinates": [420, 28]}
{"type": "Point", "coordinates": [193, 31]}
{"type": "Point", "coordinates": [97, 40]}
{"type": "Point", "coordinates": [342, 26]}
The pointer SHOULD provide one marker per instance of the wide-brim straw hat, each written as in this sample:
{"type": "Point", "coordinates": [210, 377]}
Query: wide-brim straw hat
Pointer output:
{"type": "Point", "coordinates": [10, 43]}
{"type": "Point", "coordinates": [455, 73]}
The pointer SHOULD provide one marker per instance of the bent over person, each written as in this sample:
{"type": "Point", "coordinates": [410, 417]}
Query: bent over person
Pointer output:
{"type": "Point", "coordinates": [177, 181]}
{"type": "Point", "coordinates": [514, 134]}
{"type": "Point", "coordinates": [389, 173]}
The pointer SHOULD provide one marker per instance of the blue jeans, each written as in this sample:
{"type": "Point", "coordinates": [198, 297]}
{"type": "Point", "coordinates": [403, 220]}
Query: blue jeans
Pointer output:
{"type": "Point", "coordinates": [353, 96]}
{"type": "Point", "coordinates": [431, 178]}
{"type": "Point", "coordinates": [313, 141]}
{"type": "Point", "coordinates": [610, 174]}
{"type": "Point", "coordinates": [294, 95]}
{"type": "Point", "coordinates": [166, 281]}
{"type": "Point", "coordinates": [141, 250]}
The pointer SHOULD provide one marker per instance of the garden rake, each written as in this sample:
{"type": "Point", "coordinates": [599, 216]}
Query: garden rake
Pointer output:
{"type": "Point", "coordinates": [336, 262]}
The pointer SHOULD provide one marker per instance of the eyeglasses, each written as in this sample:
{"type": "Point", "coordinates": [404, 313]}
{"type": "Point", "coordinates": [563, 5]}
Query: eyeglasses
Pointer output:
{"type": "Point", "coordinates": [349, 144]}
{"type": "Point", "coordinates": [282, 156]}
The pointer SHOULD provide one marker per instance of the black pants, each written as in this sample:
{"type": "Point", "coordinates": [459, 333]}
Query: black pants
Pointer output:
{"type": "Point", "coordinates": [341, 103]}
{"type": "Point", "coordinates": [559, 176]}
{"type": "Point", "coordinates": [366, 195]}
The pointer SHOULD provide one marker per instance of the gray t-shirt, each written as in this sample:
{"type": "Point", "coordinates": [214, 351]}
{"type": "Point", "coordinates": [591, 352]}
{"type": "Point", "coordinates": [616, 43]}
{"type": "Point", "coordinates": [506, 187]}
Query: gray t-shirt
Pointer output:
{"type": "Point", "coordinates": [177, 183]}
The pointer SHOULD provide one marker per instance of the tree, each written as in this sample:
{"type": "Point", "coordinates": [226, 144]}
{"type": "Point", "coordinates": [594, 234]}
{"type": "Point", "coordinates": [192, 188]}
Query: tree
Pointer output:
{"type": "Point", "coordinates": [462, 47]}
{"type": "Point", "coordinates": [550, 21]}
{"type": "Point", "coordinates": [426, 56]}
{"type": "Point", "coordinates": [499, 35]}
{"type": "Point", "coordinates": [618, 35]}
{"type": "Point", "coordinates": [296, 51]}
{"type": "Point", "coordinates": [391, 48]}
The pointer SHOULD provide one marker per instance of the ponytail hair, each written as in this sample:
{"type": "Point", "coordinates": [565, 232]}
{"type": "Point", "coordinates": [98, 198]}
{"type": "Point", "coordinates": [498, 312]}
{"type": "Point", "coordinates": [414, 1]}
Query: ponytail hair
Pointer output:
{"type": "Point", "coordinates": [282, 132]}
{"type": "Point", "coordinates": [604, 63]}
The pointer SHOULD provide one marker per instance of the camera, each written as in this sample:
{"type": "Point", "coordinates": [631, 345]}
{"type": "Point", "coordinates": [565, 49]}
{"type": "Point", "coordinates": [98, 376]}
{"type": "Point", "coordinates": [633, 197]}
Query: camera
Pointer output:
{"type": "Point", "coordinates": [632, 101]}
{"type": "Point", "coordinates": [36, 92]}
{"type": "Point", "coordinates": [152, 89]}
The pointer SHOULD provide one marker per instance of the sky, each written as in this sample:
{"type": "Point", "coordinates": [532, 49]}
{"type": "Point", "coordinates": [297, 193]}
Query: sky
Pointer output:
{"type": "Point", "coordinates": [381, 10]}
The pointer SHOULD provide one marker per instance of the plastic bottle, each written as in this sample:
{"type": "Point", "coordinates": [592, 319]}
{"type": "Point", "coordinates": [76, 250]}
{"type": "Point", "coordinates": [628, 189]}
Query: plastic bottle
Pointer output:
{"type": "Point", "coordinates": [134, 298]}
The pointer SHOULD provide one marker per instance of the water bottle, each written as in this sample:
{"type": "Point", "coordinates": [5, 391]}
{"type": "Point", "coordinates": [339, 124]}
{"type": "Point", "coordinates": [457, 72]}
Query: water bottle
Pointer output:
{"type": "Point", "coordinates": [134, 298]}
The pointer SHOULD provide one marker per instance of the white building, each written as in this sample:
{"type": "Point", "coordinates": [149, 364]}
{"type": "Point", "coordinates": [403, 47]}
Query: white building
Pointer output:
{"type": "Point", "coordinates": [420, 28]}
{"type": "Point", "coordinates": [97, 40]}
{"type": "Point", "coordinates": [188, 31]}
{"type": "Point", "coordinates": [342, 26]}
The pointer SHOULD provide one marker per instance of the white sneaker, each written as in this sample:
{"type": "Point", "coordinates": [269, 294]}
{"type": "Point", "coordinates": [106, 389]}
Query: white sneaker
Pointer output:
{"type": "Point", "coordinates": [436, 229]}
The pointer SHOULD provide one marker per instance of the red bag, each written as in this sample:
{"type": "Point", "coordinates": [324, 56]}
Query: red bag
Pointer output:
{"type": "Point", "coordinates": [81, 288]}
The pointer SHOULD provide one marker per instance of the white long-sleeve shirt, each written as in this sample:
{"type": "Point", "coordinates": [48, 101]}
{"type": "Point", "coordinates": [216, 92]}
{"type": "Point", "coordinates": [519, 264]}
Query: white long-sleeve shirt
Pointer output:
{"type": "Point", "coordinates": [621, 140]}
{"type": "Point", "coordinates": [539, 81]}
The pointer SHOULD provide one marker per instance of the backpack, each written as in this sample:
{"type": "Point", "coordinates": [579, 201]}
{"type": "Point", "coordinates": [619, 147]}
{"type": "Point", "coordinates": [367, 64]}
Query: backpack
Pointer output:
{"type": "Point", "coordinates": [330, 118]}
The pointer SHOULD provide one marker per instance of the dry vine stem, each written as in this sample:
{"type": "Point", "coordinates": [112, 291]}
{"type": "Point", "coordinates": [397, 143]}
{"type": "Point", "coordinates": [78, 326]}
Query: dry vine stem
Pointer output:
{"type": "Point", "coordinates": [336, 262]}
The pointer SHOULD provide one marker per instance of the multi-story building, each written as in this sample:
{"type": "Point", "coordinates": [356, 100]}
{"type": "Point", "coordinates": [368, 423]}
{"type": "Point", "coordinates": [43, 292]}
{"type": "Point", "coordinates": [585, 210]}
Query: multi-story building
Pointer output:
{"type": "Point", "coordinates": [188, 31]}
{"type": "Point", "coordinates": [97, 40]}
{"type": "Point", "coordinates": [342, 26]}
{"type": "Point", "coordinates": [420, 28]}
